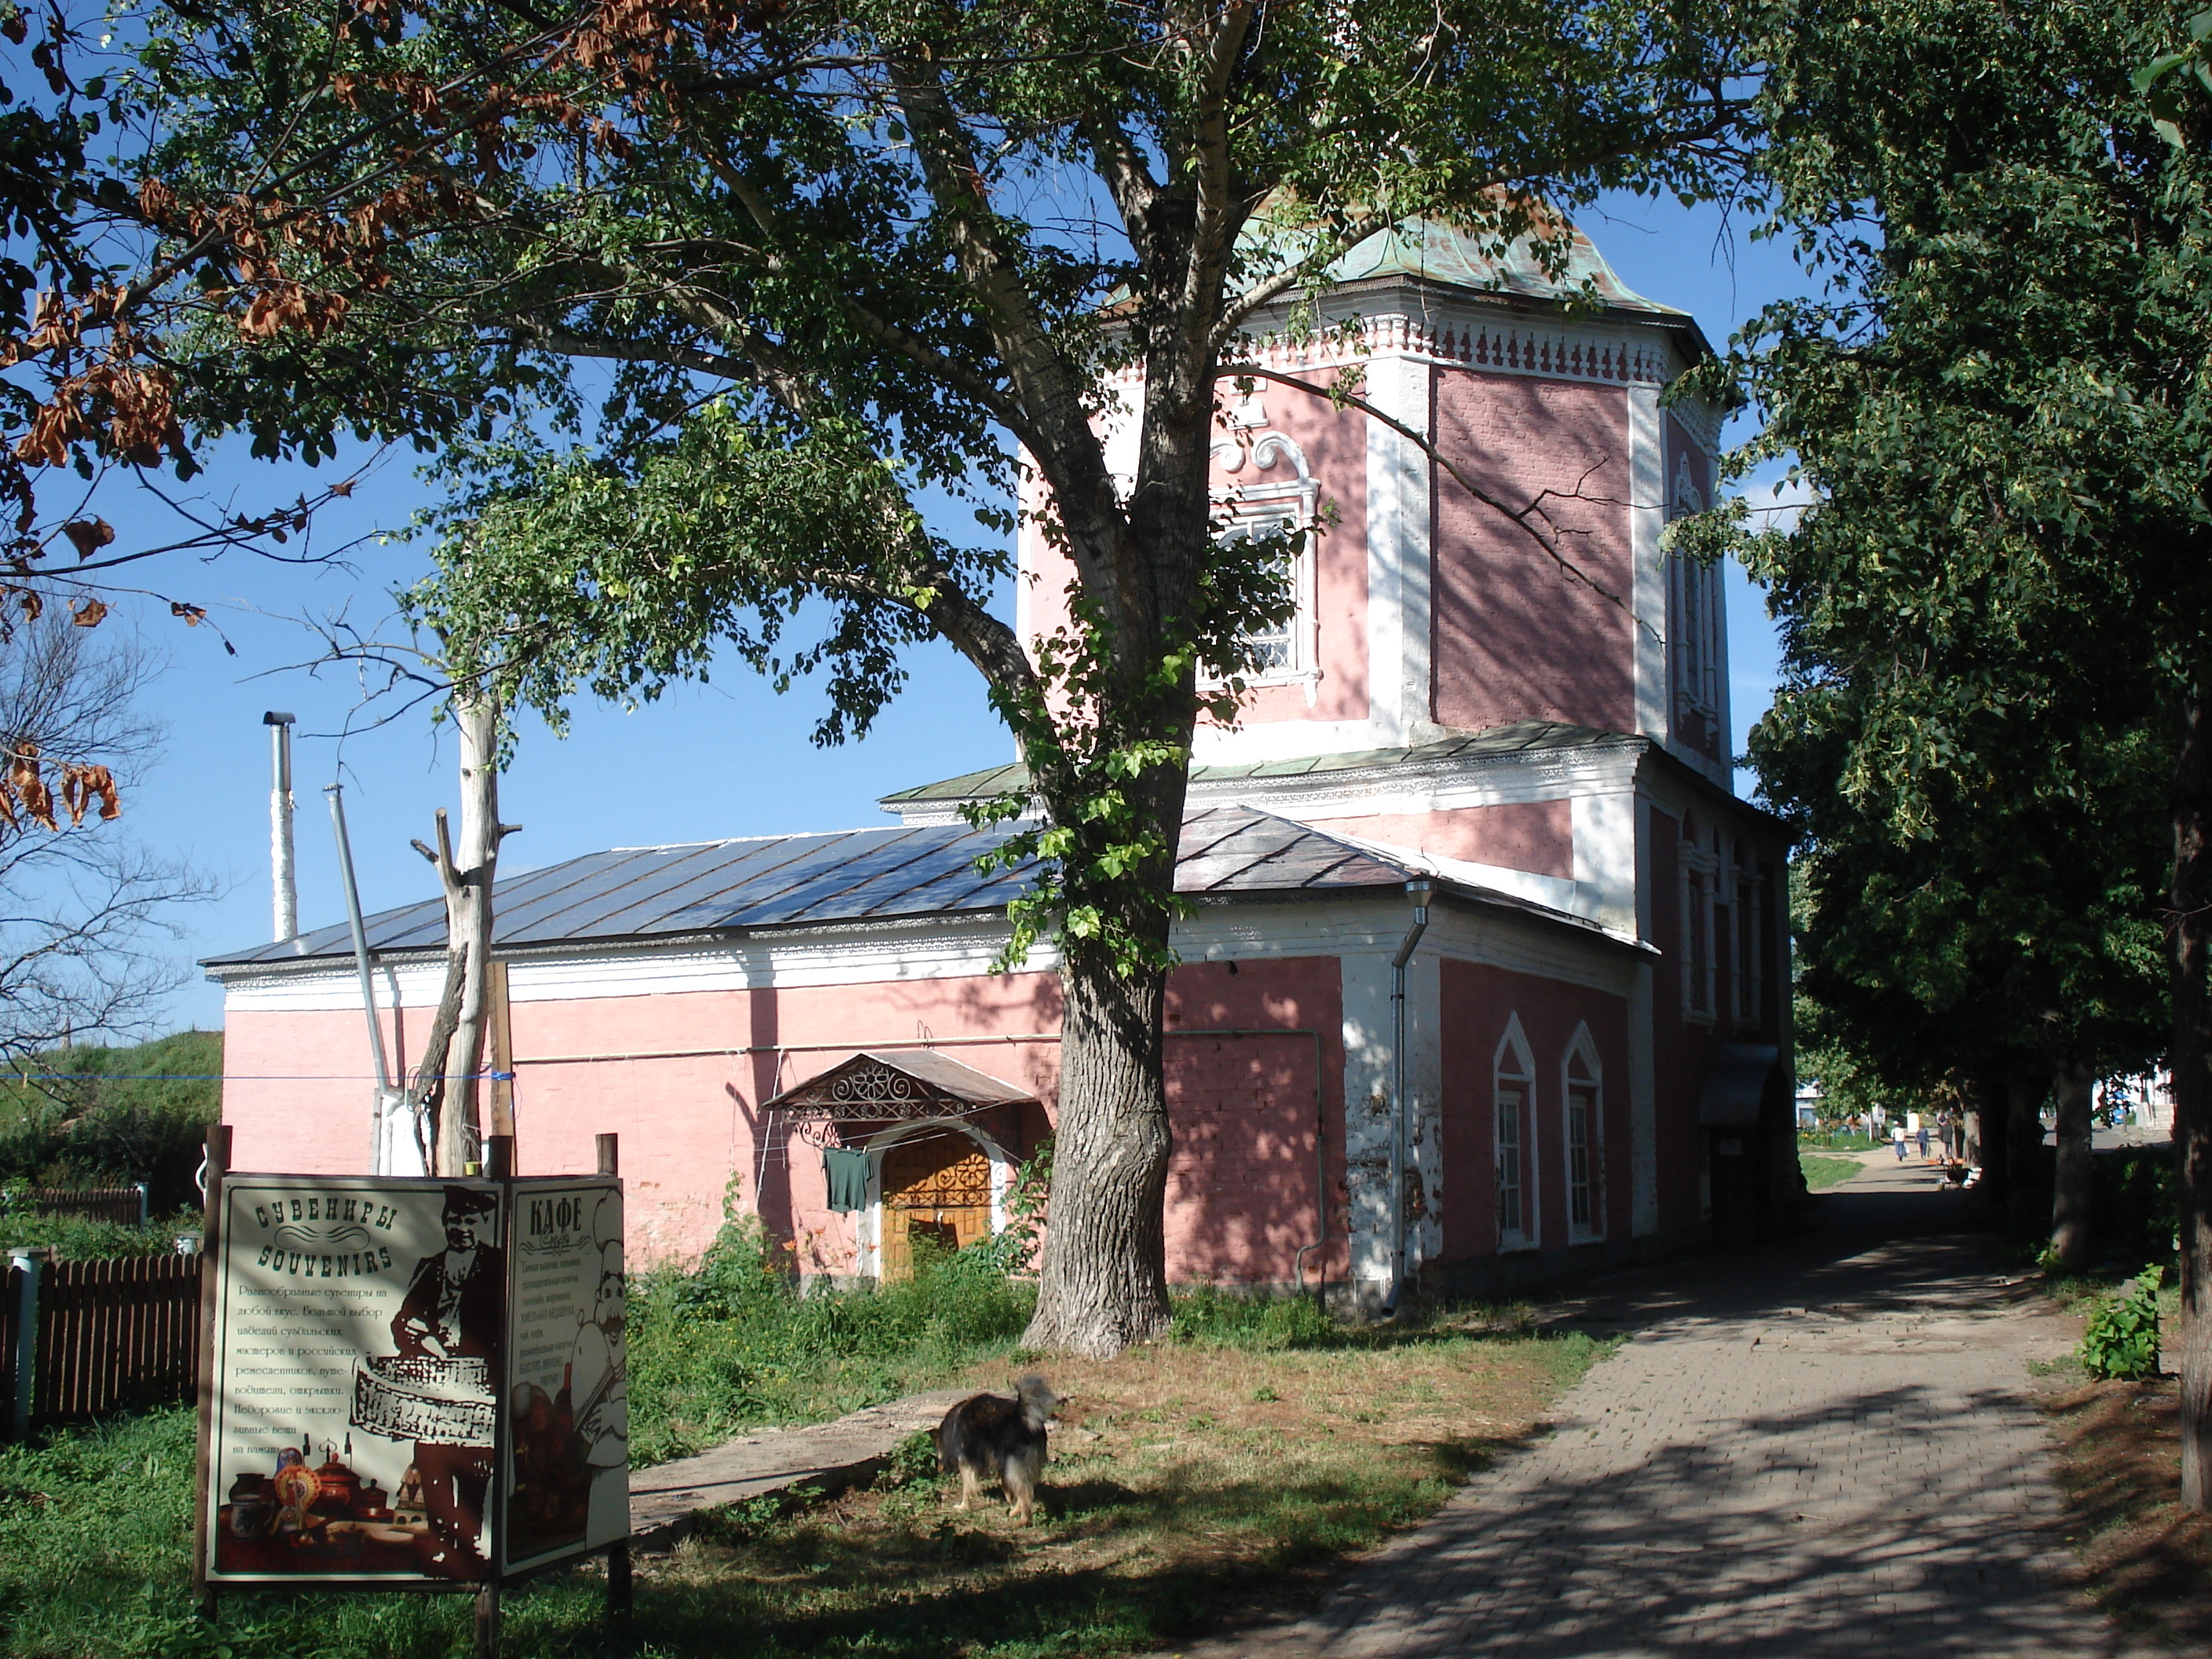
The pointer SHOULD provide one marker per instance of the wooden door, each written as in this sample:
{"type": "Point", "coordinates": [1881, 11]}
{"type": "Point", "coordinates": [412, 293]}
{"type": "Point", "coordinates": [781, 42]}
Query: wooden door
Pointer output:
{"type": "Point", "coordinates": [934, 1186]}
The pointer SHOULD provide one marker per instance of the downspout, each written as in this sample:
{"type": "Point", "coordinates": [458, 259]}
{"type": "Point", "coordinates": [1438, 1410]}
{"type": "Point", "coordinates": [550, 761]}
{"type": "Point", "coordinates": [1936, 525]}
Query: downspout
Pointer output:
{"type": "Point", "coordinates": [1419, 892]}
{"type": "Point", "coordinates": [377, 1159]}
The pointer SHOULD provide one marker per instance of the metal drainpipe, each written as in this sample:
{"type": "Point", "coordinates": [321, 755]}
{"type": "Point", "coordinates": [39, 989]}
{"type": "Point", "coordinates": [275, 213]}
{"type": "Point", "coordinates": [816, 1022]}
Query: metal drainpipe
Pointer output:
{"type": "Point", "coordinates": [377, 1160]}
{"type": "Point", "coordinates": [1420, 891]}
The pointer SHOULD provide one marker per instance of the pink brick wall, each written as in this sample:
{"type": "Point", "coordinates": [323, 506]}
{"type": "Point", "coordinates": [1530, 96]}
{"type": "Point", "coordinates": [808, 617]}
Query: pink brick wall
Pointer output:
{"type": "Point", "coordinates": [1242, 1182]}
{"type": "Point", "coordinates": [1515, 638]}
{"type": "Point", "coordinates": [1334, 443]}
{"type": "Point", "coordinates": [1537, 836]}
{"type": "Point", "coordinates": [1478, 1001]}
{"type": "Point", "coordinates": [1241, 1185]}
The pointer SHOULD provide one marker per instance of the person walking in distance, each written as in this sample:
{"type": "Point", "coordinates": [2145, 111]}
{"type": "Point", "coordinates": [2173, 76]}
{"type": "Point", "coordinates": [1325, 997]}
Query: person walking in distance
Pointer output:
{"type": "Point", "coordinates": [1897, 1138]}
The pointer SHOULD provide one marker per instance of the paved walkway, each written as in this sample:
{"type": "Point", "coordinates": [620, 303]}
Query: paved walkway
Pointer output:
{"type": "Point", "coordinates": [1827, 1451]}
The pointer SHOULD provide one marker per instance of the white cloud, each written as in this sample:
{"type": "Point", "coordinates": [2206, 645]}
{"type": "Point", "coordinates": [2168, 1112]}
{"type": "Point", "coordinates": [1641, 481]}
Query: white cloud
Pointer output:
{"type": "Point", "coordinates": [1779, 503]}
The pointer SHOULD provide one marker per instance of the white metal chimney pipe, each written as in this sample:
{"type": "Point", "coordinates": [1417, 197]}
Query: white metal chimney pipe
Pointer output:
{"type": "Point", "coordinates": [283, 887]}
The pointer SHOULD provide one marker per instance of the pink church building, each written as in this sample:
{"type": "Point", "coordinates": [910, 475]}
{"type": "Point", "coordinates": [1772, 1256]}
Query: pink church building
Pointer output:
{"type": "Point", "coordinates": [1486, 974]}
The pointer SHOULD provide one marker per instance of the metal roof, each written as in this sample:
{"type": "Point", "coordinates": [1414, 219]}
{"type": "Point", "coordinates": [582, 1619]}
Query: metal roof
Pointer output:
{"type": "Point", "coordinates": [847, 876]}
{"type": "Point", "coordinates": [1520, 738]}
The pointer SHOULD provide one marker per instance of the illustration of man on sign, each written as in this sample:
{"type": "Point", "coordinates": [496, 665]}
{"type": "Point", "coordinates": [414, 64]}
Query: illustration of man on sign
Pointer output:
{"type": "Point", "coordinates": [437, 1389]}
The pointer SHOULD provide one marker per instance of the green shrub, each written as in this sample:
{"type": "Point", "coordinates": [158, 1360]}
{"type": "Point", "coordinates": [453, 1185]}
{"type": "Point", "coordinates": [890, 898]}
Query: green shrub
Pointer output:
{"type": "Point", "coordinates": [2122, 1337]}
{"type": "Point", "coordinates": [1236, 1319]}
{"type": "Point", "coordinates": [739, 1344]}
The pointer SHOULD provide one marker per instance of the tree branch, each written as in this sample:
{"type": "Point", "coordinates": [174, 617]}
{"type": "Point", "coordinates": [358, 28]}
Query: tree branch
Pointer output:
{"type": "Point", "coordinates": [1526, 518]}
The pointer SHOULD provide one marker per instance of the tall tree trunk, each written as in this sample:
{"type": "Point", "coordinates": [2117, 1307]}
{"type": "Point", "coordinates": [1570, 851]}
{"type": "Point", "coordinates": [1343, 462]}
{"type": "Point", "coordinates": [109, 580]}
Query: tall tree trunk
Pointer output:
{"type": "Point", "coordinates": [1104, 1283]}
{"type": "Point", "coordinates": [2026, 1084]}
{"type": "Point", "coordinates": [2189, 939]}
{"type": "Point", "coordinates": [2073, 1085]}
{"type": "Point", "coordinates": [447, 1082]}
{"type": "Point", "coordinates": [1991, 1144]}
{"type": "Point", "coordinates": [476, 715]}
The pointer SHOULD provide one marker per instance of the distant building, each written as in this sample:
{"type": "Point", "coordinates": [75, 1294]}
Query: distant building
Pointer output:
{"type": "Point", "coordinates": [2141, 1102]}
{"type": "Point", "coordinates": [1596, 1040]}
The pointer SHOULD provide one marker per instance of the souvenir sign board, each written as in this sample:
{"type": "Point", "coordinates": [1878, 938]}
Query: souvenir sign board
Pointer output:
{"type": "Point", "coordinates": [360, 1329]}
{"type": "Point", "coordinates": [565, 1470]}
{"type": "Point", "coordinates": [415, 1383]}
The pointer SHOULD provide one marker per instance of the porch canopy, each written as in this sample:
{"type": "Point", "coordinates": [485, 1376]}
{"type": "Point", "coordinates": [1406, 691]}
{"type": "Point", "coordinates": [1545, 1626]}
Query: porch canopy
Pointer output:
{"type": "Point", "coordinates": [892, 1088]}
{"type": "Point", "coordinates": [1736, 1088]}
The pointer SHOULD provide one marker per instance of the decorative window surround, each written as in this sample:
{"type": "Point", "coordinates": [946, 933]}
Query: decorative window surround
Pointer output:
{"type": "Point", "coordinates": [1513, 1117]}
{"type": "Point", "coordinates": [1699, 880]}
{"type": "Point", "coordinates": [1582, 1097]}
{"type": "Point", "coordinates": [1256, 507]}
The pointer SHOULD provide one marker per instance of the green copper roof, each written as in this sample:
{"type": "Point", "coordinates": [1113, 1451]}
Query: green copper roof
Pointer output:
{"type": "Point", "coordinates": [1438, 252]}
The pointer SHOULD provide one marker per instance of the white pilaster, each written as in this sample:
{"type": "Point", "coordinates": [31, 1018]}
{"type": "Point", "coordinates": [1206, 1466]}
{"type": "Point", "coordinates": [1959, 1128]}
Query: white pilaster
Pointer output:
{"type": "Point", "coordinates": [1647, 517]}
{"type": "Point", "coordinates": [1643, 1061]}
{"type": "Point", "coordinates": [1424, 1240]}
{"type": "Point", "coordinates": [1605, 854]}
{"type": "Point", "coordinates": [1367, 1118]}
{"type": "Point", "coordinates": [1398, 554]}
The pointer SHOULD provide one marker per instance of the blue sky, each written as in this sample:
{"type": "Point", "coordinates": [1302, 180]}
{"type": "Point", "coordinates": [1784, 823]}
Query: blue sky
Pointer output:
{"type": "Point", "coordinates": [731, 758]}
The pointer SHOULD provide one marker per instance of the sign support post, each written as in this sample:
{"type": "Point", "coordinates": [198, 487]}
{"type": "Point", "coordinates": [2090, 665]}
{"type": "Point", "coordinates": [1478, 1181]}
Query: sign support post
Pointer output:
{"type": "Point", "coordinates": [618, 1582]}
{"type": "Point", "coordinates": [218, 1162]}
{"type": "Point", "coordinates": [455, 1348]}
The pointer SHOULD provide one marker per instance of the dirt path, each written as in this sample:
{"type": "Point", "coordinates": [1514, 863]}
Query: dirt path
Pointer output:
{"type": "Point", "coordinates": [1826, 1451]}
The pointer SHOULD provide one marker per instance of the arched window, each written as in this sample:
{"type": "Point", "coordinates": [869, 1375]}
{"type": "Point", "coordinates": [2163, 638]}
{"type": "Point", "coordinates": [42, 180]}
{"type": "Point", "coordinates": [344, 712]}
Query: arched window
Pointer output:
{"type": "Point", "coordinates": [1266, 501]}
{"type": "Point", "coordinates": [1700, 870]}
{"type": "Point", "coordinates": [1581, 1087]}
{"type": "Point", "coordinates": [1693, 604]}
{"type": "Point", "coordinates": [1513, 1090]}
{"type": "Point", "coordinates": [1751, 934]}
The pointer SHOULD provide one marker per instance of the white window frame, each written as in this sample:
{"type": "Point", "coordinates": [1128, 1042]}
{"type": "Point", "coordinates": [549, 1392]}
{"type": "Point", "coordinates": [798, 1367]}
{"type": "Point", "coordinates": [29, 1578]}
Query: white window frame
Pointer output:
{"type": "Point", "coordinates": [1582, 1050]}
{"type": "Point", "coordinates": [1693, 608]}
{"type": "Point", "coordinates": [1513, 1066]}
{"type": "Point", "coordinates": [1261, 507]}
{"type": "Point", "coordinates": [1749, 915]}
{"type": "Point", "coordinates": [1699, 880]}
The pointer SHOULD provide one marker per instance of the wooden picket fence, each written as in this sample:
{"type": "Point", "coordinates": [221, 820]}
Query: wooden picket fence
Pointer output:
{"type": "Point", "coordinates": [123, 1205]}
{"type": "Point", "coordinates": [111, 1335]}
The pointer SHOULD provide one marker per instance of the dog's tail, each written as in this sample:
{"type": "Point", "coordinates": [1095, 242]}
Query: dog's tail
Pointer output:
{"type": "Point", "coordinates": [1038, 1401]}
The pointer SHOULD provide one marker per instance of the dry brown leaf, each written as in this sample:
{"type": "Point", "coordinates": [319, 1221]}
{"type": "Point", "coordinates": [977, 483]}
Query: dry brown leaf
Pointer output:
{"type": "Point", "coordinates": [91, 614]}
{"type": "Point", "coordinates": [193, 614]}
{"type": "Point", "coordinates": [88, 536]}
{"type": "Point", "coordinates": [31, 788]}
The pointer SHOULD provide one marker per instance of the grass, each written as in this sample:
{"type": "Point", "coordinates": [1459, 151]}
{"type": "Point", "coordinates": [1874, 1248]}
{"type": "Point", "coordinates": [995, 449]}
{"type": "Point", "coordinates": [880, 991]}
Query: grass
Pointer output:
{"type": "Point", "coordinates": [1198, 1480]}
{"type": "Point", "coordinates": [2147, 1560]}
{"type": "Point", "coordinates": [736, 1346]}
{"type": "Point", "coordinates": [1824, 1172]}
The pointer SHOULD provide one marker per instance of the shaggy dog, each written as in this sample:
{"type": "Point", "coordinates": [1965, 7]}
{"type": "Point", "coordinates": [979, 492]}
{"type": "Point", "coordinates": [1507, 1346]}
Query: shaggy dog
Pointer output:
{"type": "Point", "coordinates": [991, 1435]}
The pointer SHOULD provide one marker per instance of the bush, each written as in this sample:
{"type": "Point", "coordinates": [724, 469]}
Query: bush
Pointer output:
{"type": "Point", "coordinates": [2121, 1338]}
{"type": "Point", "coordinates": [119, 1117]}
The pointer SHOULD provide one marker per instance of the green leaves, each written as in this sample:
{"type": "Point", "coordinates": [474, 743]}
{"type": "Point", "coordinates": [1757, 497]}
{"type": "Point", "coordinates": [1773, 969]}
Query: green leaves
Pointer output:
{"type": "Point", "coordinates": [1999, 407]}
{"type": "Point", "coordinates": [2165, 90]}
{"type": "Point", "coordinates": [2121, 1339]}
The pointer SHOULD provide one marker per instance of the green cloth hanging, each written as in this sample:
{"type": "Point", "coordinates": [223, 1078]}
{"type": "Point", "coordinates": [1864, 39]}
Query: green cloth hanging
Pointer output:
{"type": "Point", "coordinates": [847, 1171]}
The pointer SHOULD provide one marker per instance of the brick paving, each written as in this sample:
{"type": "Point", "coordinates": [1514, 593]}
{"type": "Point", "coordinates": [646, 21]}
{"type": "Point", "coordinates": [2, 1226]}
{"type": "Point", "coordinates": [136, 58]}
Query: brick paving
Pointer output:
{"type": "Point", "coordinates": [1826, 1451]}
